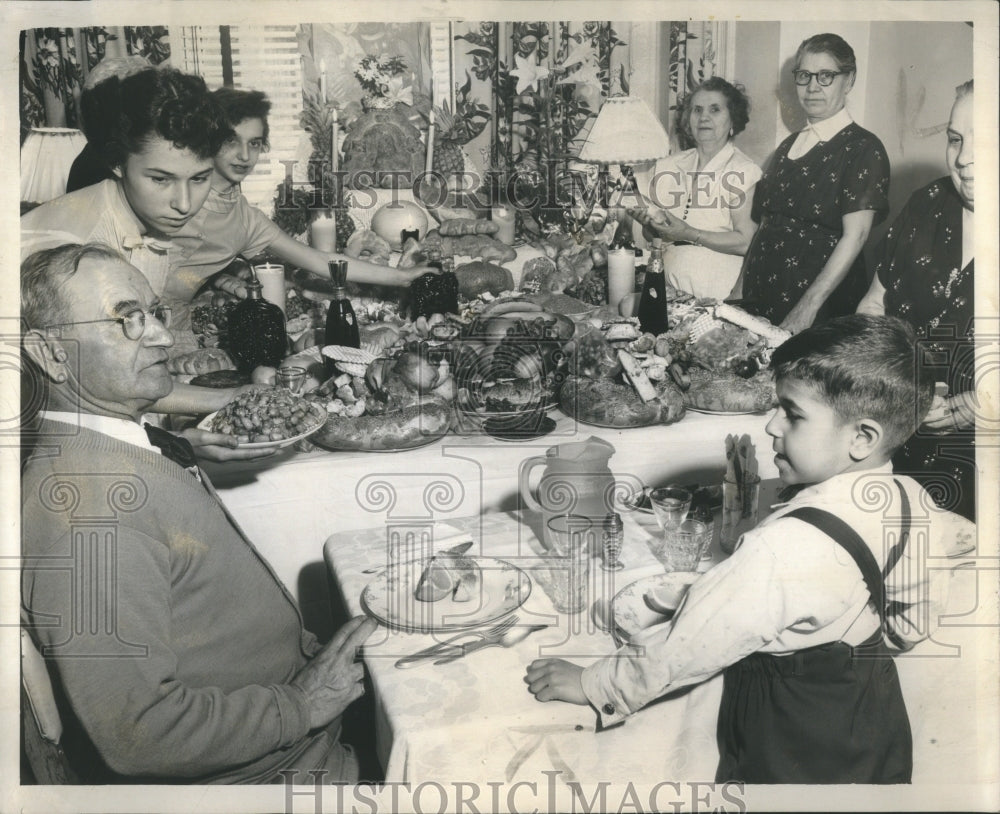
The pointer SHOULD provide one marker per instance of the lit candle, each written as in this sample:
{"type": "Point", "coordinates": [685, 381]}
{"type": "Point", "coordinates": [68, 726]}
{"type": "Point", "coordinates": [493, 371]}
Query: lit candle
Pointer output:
{"type": "Point", "coordinates": [322, 81]}
{"type": "Point", "coordinates": [430, 144]}
{"type": "Point", "coordinates": [504, 218]}
{"type": "Point", "coordinates": [335, 143]}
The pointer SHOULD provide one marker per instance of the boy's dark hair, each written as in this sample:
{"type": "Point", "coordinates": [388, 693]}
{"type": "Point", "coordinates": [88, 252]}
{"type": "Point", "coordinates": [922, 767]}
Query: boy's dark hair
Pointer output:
{"type": "Point", "coordinates": [240, 105]}
{"type": "Point", "coordinates": [865, 367]}
{"type": "Point", "coordinates": [163, 103]}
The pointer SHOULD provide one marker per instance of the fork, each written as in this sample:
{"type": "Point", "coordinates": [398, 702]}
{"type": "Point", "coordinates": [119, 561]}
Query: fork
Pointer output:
{"type": "Point", "coordinates": [436, 650]}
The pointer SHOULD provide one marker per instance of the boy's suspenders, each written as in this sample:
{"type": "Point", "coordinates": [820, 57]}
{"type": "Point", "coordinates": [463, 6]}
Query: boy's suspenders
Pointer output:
{"type": "Point", "coordinates": [827, 714]}
{"type": "Point", "coordinates": [851, 541]}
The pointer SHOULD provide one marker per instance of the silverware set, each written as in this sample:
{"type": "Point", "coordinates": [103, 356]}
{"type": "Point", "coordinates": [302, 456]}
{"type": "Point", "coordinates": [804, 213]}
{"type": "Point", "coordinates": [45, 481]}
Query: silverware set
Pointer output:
{"type": "Point", "coordinates": [506, 633]}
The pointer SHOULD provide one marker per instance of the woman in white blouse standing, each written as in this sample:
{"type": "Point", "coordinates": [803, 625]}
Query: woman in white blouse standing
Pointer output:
{"type": "Point", "coordinates": [700, 199]}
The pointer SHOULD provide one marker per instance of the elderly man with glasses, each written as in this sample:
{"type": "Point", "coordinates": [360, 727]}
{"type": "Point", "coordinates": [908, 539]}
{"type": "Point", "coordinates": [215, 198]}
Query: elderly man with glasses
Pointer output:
{"type": "Point", "coordinates": [180, 655]}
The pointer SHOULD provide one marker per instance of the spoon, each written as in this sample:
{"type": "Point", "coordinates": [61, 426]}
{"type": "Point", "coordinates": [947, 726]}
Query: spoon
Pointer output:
{"type": "Point", "coordinates": [508, 639]}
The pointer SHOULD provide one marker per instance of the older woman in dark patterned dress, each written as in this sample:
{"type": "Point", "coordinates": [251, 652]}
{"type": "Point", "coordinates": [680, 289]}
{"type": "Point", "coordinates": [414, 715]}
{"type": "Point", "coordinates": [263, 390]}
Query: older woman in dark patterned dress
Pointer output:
{"type": "Point", "coordinates": [924, 274]}
{"type": "Point", "coordinates": [816, 203]}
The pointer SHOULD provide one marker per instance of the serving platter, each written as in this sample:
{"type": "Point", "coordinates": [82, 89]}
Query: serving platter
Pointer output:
{"type": "Point", "coordinates": [390, 599]}
{"type": "Point", "coordinates": [317, 420]}
{"type": "Point", "coordinates": [723, 412]}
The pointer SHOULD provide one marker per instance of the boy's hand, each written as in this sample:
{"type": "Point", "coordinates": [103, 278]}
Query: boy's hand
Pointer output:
{"type": "Point", "coordinates": [555, 680]}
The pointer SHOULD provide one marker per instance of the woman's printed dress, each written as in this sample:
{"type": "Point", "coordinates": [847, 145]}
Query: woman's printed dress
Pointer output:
{"type": "Point", "coordinates": [799, 205]}
{"type": "Point", "coordinates": [919, 264]}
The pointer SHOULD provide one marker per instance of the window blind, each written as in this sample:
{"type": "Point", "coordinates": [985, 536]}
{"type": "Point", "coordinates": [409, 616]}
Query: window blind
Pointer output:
{"type": "Point", "coordinates": [264, 58]}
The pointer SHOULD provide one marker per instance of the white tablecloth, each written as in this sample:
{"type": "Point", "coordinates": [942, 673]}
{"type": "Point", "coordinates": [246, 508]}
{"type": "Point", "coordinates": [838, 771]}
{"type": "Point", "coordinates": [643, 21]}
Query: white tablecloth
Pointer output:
{"type": "Point", "coordinates": [290, 503]}
{"type": "Point", "coordinates": [474, 719]}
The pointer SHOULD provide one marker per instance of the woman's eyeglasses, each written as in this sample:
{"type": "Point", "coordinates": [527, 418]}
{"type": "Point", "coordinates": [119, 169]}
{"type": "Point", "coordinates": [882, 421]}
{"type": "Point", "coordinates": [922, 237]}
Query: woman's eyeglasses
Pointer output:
{"type": "Point", "coordinates": [133, 323]}
{"type": "Point", "coordinates": [823, 78]}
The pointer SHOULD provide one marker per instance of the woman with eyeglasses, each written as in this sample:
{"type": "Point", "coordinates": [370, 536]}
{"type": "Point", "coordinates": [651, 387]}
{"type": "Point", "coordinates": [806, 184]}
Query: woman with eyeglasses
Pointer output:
{"type": "Point", "coordinates": [823, 190]}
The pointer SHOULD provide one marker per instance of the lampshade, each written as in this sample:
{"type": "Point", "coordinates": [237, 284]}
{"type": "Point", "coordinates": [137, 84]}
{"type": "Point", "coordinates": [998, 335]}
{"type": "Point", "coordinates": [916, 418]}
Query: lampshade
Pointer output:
{"type": "Point", "coordinates": [626, 132]}
{"type": "Point", "coordinates": [46, 157]}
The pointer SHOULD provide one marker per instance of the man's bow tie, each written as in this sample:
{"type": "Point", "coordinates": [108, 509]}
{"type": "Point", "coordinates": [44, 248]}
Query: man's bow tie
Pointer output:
{"type": "Point", "coordinates": [177, 449]}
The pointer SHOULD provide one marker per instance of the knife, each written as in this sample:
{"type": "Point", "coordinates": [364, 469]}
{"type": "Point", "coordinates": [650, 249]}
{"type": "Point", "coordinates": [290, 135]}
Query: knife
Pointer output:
{"type": "Point", "coordinates": [472, 647]}
{"type": "Point", "coordinates": [434, 650]}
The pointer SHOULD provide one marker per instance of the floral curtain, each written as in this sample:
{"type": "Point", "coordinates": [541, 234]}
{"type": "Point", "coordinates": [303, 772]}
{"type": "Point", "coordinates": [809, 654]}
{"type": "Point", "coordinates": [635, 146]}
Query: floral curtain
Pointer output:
{"type": "Point", "coordinates": [55, 62]}
{"type": "Point", "coordinates": [545, 83]}
{"type": "Point", "coordinates": [693, 59]}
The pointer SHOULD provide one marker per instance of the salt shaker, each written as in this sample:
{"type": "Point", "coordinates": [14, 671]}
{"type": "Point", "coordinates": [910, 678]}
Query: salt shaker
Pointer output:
{"type": "Point", "coordinates": [613, 539]}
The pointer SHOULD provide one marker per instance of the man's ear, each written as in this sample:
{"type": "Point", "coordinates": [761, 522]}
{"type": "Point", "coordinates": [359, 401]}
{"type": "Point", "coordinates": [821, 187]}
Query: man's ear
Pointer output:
{"type": "Point", "coordinates": [48, 353]}
{"type": "Point", "coordinates": [868, 435]}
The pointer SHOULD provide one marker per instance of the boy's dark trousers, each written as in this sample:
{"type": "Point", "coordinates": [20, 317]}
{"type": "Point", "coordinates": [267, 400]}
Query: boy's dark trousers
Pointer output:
{"type": "Point", "coordinates": [828, 714]}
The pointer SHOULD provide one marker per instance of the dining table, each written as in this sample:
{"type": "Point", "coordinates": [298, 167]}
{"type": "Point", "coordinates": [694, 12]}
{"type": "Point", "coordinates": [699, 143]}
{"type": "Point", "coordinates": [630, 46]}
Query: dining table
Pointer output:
{"type": "Point", "coordinates": [473, 719]}
{"type": "Point", "coordinates": [289, 503]}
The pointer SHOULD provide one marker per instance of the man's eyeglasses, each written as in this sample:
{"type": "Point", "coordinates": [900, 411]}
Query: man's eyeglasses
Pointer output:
{"type": "Point", "coordinates": [824, 78]}
{"type": "Point", "coordinates": [133, 323]}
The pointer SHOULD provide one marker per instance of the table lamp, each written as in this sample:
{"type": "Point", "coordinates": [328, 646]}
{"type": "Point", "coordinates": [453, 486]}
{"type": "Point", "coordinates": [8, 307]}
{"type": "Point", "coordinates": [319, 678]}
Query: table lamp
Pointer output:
{"type": "Point", "coordinates": [626, 132]}
{"type": "Point", "coordinates": [46, 157]}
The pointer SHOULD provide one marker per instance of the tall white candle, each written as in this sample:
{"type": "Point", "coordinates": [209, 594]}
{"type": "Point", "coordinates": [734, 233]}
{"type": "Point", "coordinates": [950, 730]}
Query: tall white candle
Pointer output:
{"type": "Point", "coordinates": [272, 283]}
{"type": "Point", "coordinates": [323, 234]}
{"type": "Point", "coordinates": [621, 275]}
{"type": "Point", "coordinates": [430, 144]}
{"type": "Point", "coordinates": [504, 217]}
{"type": "Point", "coordinates": [335, 143]}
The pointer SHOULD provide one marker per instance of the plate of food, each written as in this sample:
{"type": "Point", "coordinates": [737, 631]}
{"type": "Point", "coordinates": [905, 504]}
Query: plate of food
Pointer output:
{"type": "Point", "coordinates": [266, 418]}
{"type": "Point", "coordinates": [445, 592]}
{"type": "Point", "coordinates": [648, 601]}
{"type": "Point", "coordinates": [725, 393]}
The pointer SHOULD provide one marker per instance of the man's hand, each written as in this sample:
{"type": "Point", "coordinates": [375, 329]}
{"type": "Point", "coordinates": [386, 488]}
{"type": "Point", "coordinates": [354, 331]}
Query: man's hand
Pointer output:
{"type": "Point", "coordinates": [220, 447]}
{"type": "Point", "coordinates": [331, 681]}
{"type": "Point", "coordinates": [555, 680]}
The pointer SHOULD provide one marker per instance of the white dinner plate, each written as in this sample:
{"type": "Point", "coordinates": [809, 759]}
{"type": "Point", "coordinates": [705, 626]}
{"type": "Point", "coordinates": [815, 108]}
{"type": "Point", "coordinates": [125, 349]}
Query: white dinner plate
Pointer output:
{"type": "Point", "coordinates": [317, 420]}
{"type": "Point", "coordinates": [390, 599]}
{"type": "Point", "coordinates": [630, 611]}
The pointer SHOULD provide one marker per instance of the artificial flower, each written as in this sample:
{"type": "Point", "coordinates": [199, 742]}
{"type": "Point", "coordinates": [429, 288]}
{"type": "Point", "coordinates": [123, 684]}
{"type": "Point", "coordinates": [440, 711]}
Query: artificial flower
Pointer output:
{"type": "Point", "coordinates": [528, 72]}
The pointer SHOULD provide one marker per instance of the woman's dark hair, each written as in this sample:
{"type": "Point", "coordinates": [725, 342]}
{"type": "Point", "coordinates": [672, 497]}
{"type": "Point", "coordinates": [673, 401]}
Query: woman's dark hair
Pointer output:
{"type": "Point", "coordinates": [240, 105]}
{"type": "Point", "coordinates": [163, 103]}
{"type": "Point", "coordinates": [832, 44]}
{"type": "Point", "coordinates": [737, 102]}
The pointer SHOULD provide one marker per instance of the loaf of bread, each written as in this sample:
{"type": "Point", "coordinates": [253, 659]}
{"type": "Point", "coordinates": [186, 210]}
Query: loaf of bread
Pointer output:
{"type": "Point", "coordinates": [771, 334]}
{"type": "Point", "coordinates": [202, 360]}
{"type": "Point", "coordinates": [456, 227]}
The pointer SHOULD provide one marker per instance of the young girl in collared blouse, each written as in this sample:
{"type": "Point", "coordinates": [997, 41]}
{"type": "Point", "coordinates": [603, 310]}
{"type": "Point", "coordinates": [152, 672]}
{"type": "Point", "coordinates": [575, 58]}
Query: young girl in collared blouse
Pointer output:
{"type": "Point", "coordinates": [228, 226]}
{"type": "Point", "coordinates": [803, 617]}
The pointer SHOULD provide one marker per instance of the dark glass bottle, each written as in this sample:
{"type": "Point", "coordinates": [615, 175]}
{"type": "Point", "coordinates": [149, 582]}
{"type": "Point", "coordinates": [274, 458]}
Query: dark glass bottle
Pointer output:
{"type": "Point", "coordinates": [257, 331]}
{"type": "Point", "coordinates": [341, 324]}
{"type": "Point", "coordinates": [622, 238]}
{"type": "Point", "coordinates": [653, 301]}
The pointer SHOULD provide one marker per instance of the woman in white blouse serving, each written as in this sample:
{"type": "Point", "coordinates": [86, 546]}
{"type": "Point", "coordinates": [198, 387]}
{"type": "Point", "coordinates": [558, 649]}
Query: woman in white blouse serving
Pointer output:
{"type": "Point", "coordinates": [700, 199]}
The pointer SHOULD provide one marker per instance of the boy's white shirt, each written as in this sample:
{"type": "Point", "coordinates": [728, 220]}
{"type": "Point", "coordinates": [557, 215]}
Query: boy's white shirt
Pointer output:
{"type": "Point", "coordinates": [787, 587]}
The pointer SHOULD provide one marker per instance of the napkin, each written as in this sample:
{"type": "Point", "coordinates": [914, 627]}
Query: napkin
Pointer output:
{"type": "Point", "coordinates": [741, 463]}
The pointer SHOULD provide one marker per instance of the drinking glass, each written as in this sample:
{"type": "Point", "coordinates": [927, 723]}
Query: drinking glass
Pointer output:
{"type": "Point", "coordinates": [680, 548]}
{"type": "Point", "coordinates": [292, 378]}
{"type": "Point", "coordinates": [670, 505]}
{"type": "Point", "coordinates": [569, 539]}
